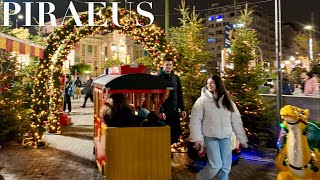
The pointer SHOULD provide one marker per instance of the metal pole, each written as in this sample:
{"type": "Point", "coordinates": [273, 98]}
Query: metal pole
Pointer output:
{"type": "Point", "coordinates": [166, 17]}
{"type": "Point", "coordinates": [313, 60]}
{"type": "Point", "coordinates": [310, 46]}
{"type": "Point", "coordinates": [17, 22]}
{"type": "Point", "coordinates": [278, 59]}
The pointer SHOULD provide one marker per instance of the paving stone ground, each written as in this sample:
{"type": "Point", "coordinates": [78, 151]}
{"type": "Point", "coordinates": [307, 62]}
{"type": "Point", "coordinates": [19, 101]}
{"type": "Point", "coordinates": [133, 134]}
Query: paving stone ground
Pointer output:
{"type": "Point", "coordinates": [70, 156]}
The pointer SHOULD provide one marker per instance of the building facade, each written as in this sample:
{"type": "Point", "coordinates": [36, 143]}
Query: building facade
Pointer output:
{"type": "Point", "coordinates": [95, 50]}
{"type": "Point", "coordinates": [216, 21]}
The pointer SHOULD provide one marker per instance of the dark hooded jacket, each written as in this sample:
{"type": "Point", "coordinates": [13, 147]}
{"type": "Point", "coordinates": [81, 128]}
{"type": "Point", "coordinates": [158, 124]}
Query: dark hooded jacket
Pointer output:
{"type": "Point", "coordinates": [175, 98]}
{"type": "Point", "coordinates": [88, 87]}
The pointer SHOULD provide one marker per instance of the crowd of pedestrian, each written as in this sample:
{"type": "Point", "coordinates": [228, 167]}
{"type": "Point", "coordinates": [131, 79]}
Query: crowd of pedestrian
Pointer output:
{"type": "Point", "coordinates": [308, 86]}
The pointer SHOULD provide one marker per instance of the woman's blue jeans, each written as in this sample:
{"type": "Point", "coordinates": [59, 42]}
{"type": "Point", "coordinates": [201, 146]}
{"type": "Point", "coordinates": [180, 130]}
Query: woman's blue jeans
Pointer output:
{"type": "Point", "coordinates": [220, 159]}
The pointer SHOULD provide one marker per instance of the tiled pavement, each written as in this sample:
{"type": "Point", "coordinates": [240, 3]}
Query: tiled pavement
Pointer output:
{"type": "Point", "coordinates": [70, 156]}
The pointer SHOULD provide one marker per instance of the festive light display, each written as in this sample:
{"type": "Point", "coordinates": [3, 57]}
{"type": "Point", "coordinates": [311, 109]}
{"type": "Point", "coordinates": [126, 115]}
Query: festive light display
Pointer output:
{"type": "Point", "coordinates": [48, 96]}
{"type": "Point", "coordinates": [243, 81]}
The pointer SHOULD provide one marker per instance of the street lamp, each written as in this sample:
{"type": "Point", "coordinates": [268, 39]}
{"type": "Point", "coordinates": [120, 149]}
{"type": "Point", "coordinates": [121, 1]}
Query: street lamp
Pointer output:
{"type": "Point", "coordinates": [96, 70]}
{"type": "Point", "coordinates": [114, 49]}
{"type": "Point", "coordinates": [122, 48]}
{"type": "Point", "coordinates": [278, 46]}
{"type": "Point", "coordinates": [19, 17]}
{"type": "Point", "coordinates": [310, 41]}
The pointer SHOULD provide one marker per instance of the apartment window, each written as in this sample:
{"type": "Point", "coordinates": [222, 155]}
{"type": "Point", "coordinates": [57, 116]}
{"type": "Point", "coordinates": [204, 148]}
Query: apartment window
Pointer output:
{"type": "Point", "coordinates": [219, 32]}
{"type": "Point", "coordinates": [83, 50]}
{"type": "Point", "coordinates": [231, 14]}
{"type": "Point", "coordinates": [211, 18]}
{"type": "Point", "coordinates": [105, 52]}
{"type": "Point", "coordinates": [219, 18]}
{"type": "Point", "coordinates": [219, 48]}
{"type": "Point", "coordinates": [95, 51]}
{"type": "Point", "coordinates": [211, 40]}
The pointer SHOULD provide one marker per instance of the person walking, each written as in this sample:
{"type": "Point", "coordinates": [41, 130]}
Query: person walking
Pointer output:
{"type": "Point", "coordinates": [170, 107]}
{"type": "Point", "coordinates": [68, 92]}
{"type": "Point", "coordinates": [88, 91]}
{"type": "Point", "coordinates": [214, 117]}
{"type": "Point", "coordinates": [77, 83]}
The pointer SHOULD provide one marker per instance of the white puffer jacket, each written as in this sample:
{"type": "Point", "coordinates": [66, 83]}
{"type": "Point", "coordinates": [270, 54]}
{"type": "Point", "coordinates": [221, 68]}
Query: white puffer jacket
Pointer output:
{"type": "Point", "coordinates": [209, 120]}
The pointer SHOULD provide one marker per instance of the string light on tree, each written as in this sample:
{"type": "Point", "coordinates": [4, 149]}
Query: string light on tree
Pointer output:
{"type": "Point", "coordinates": [48, 96]}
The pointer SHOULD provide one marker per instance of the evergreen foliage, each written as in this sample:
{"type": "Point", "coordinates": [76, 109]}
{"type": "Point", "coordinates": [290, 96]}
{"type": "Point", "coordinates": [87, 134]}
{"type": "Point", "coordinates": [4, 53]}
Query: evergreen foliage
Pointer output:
{"type": "Point", "coordinates": [243, 80]}
{"type": "Point", "coordinates": [147, 61]}
{"type": "Point", "coordinates": [13, 117]}
{"type": "Point", "coordinates": [28, 78]}
{"type": "Point", "coordinates": [4, 29]}
{"type": "Point", "coordinates": [112, 63]}
{"type": "Point", "coordinates": [189, 41]}
{"type": "Point", "coordinates": [81, 68]}
{"type": "Point", "coordinates": [316, 69]}
{"type": "Point", "coordinates": [295, 75]}
{"type": "Point", "coordinates": [301, 45]}
{"type": "Point", "coordinates": [38, 37]}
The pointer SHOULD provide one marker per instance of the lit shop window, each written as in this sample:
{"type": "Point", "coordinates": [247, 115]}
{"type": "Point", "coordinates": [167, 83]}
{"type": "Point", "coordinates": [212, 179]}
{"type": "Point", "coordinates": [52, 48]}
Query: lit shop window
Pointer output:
{"type": "Point", "coordinates": [219, 18]}
{"type": "Point", "coordinates": [211, 40]}
{"type": "Point", "coordinates": [211, 18]}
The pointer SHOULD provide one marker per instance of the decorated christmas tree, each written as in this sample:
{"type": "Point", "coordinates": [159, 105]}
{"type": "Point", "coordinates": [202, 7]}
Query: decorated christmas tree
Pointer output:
{"type": "Point", "coordinates": [13, 122]}
{"type": "Point", "coordinates": [189, 41]}
{"type": "Point", "coordinates": [243, 79]}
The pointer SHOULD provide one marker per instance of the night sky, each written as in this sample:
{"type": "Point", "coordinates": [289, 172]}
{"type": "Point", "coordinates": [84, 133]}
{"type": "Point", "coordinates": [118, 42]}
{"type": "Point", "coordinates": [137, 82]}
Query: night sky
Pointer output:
{"type": "Point", "coordinates": [296, 11]}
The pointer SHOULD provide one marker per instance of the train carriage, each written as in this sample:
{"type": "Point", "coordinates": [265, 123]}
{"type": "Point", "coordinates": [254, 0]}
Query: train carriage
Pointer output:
{"type": "Point", "coordinates": [131, 152]}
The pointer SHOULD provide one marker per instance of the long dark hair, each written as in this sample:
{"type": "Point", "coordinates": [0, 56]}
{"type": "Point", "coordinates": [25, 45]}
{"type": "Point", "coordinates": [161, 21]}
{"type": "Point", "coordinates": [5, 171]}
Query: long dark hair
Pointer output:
{"type": "Point", "coordinates": [120, 105]}
{"type": "Point", "coordinates": [221, 91]}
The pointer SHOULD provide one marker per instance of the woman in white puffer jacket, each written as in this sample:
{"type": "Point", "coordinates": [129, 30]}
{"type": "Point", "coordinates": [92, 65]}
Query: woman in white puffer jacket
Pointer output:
{"type": "Point", "coordinates": [214, 118]}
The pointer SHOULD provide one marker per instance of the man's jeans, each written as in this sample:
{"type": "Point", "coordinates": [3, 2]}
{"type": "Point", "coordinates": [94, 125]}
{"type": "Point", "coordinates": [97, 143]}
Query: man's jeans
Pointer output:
{"type": "Point", "coordinates": [220, 159]}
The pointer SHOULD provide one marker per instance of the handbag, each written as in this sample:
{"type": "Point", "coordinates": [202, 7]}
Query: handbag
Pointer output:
{"type": "Point", "coordinates": [195, 154]}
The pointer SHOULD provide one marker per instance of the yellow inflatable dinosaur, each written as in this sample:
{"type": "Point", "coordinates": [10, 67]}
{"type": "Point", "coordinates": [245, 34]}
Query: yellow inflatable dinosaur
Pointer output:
{"type": "Point", "coordinates": [296, 161]}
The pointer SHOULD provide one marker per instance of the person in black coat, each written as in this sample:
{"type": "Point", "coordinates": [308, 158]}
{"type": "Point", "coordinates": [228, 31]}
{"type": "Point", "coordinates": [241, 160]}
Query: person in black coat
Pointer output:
{"type": "Point", "coordinates": [88, 91]}
{"type": "Point", "coordinates": [287, 87]}
{"type": "Point", "coordinates": [174, 102]}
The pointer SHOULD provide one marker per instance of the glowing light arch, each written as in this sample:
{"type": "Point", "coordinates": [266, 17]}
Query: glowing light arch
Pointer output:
{"type": "Point", "coordinates": [48, 96]}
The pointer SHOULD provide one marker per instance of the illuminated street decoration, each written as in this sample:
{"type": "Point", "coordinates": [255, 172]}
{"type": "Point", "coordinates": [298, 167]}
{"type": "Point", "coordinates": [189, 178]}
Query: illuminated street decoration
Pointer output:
{"type": "Point", "coordinates": [48, 96]}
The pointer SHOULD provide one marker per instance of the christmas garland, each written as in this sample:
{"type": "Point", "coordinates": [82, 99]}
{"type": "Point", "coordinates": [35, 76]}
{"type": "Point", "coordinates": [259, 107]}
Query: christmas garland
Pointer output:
{"type": "Point", "coordinates": [48, 96]}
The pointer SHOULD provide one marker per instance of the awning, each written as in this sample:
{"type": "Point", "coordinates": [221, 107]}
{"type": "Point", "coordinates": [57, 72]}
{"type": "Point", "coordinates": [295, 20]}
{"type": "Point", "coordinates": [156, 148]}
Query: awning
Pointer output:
{"type": "Point", "coordinates": [132, 83]}
{"type": "Point", "coordinates": [13, 44]}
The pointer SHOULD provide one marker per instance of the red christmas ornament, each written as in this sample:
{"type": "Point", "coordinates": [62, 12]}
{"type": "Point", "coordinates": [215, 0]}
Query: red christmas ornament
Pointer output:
{"type": "Point", "coordinates": [4, 88]}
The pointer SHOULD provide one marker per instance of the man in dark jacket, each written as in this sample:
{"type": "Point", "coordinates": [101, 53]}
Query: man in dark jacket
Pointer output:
{"type": "Point", "coordinates": [287, 87]}
{"type": "Point", "coordinates": [88, 91]}
{"type": "Point", "coordinates": [174, 102]}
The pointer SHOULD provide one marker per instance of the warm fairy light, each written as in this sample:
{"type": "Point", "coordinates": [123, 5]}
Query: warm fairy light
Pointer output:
{"type": "Point", "coordinates": [65, 37]}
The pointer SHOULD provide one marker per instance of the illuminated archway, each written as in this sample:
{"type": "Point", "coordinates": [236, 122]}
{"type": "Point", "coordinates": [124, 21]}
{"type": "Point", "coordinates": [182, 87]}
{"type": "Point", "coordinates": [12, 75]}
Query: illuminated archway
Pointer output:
{"type": "Point", "coordinates": [48, 96]}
